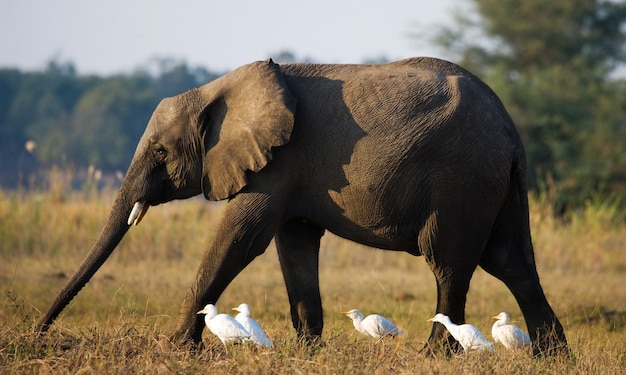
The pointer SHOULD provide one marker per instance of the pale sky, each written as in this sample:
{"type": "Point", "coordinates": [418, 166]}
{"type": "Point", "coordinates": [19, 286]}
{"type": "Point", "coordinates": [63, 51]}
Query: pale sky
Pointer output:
{"type": "Point", "coordinates": [113, 36]}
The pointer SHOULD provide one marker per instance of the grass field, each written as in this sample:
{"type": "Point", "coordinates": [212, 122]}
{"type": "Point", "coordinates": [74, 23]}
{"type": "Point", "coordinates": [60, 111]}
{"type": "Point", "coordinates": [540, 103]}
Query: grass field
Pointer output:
{"type": "Point", "coordinates": [121, 321]}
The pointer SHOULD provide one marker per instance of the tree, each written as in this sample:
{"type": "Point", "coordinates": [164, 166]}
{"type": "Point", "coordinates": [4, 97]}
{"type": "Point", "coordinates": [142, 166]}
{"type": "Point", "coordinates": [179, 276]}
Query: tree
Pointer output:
{"type": "Point", "coordinates": [552, 64]}
{"type": "Point", "coordinates": [108, 121]}
{"type": "Point", "coordinates": [81, 121]}
{"type": "Point", "coordinates": [36, 107]}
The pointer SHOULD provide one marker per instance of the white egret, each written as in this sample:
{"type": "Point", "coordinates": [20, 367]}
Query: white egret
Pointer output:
{"type": "Point", "coordinates": [511, 336]}
{"type": "Point", "coordinates": [256, 332]}
{"type": "Point", "coordinates": [467, 335]}
{"type": "Point", "coordinates": [223, 326]}
{"type": "Point", "coordinates": [374, 325]}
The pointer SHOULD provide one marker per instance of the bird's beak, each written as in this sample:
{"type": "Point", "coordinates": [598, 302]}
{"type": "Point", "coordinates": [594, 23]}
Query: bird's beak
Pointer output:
{"type": "Point", "coordinates": [236, 309]}
{"type": "Point", "coordinates": [200, 312]}
{"type": "Point", "coordinates": [430, 320]}
{"type": "Point", "coordinates": [344, 312]}
{"type": "Point", "coordinates": [495, 317]}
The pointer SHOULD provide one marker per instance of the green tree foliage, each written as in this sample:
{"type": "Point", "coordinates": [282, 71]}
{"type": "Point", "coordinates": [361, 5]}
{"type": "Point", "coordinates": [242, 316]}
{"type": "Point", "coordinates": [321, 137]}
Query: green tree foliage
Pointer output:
{"type": "Point", "coordinates": [108, 120]}
{"type": "Point", "coordinates": [555, 65]}
{"type": "Point", "coordinates": [81, 121]}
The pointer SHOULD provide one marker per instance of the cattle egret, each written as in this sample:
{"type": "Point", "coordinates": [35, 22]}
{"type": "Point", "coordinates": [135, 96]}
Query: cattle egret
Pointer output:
{"type": "Point", "coordinates": [374, 325]}
{"type": "Point", "coordinates": [256, 332]}
{"type": "Point", "coordinates": [467, 335]}
{"type": "Point", "coordinates": [223, 326]}
{"type": "Point", "coordinates": [511, 336]}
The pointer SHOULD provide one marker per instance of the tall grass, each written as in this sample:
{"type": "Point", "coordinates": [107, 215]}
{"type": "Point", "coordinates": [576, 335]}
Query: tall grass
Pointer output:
{"type": "Point", "coordinates": [121, 321]}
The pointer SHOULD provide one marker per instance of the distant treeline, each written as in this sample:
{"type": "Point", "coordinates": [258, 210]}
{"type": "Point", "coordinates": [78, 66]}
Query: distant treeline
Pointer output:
{"type": "Point", "coordinates": [57, 118]}
{"type": "Point", "coordinates": [575, 135]}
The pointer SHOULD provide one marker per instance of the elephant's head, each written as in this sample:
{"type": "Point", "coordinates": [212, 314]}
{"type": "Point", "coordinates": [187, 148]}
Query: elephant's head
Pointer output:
{"type": "Point", "coordinates": [204, 140]}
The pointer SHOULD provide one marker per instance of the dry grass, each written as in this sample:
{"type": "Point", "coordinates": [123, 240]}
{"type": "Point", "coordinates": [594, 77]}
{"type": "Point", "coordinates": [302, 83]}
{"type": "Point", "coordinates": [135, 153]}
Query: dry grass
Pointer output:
{"type": "Point", "coordinates": [121, 321]}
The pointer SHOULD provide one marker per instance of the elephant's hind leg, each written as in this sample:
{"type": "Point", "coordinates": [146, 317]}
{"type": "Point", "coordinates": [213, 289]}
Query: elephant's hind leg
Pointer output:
{"type": "Point", "coordinates": [509, 257]}
{"type": "Point", "coordinates": [453, 256]}
{"type": "Point", "coordinates": [298, 244]}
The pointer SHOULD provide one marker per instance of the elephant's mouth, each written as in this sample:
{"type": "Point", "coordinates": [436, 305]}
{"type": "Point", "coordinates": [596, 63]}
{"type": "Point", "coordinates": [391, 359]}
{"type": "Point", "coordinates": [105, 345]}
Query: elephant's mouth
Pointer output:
{"type": "Point", "coordinates": [139, 210]}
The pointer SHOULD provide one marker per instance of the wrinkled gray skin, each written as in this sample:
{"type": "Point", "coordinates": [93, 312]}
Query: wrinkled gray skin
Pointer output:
{"type": "Point", "coordinates": [417, 155]}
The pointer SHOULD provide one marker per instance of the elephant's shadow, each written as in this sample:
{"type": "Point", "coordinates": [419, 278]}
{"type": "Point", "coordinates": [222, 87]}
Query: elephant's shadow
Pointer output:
{"type": "Point", "coordinates": [324, 139]}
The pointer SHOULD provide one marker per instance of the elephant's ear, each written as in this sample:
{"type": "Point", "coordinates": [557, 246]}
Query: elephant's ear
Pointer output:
{"type": "Point", "coordinates": [249, 111]}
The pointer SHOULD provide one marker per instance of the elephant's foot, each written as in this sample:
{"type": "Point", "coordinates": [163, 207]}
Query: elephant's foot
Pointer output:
{"type": "Point", "coordinates": [309, 339]}
{"type": "Point", "coordinates": [188, 339]}
{"type": "Point", "coordinates": [310, 344]}
{"type": "Point", "coordinates": [189, 330]}
{"type": "Point", "coordinates": [441, 347]}
{"type": "Point", "coordinates": [185, 342]}
{"type": "Point", "coordinates": [551, 344]}
{"type": "Point", "coordinates": [429, 352]}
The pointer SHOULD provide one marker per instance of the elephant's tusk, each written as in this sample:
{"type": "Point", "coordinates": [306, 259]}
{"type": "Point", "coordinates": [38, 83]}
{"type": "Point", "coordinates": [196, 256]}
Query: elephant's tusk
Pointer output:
{"type": "Point", "coordinates": [139, 209]}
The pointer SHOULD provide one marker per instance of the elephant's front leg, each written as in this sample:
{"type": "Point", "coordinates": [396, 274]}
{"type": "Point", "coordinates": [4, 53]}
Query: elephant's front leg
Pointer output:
{"type": "Point", "coordinates": [298, 244]}
{"type": "Point", "coordinates": [244, 233]}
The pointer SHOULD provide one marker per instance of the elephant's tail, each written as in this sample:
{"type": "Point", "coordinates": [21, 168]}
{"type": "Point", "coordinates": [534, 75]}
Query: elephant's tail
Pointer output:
{"type": "Point", "coordinates": [519, 184]}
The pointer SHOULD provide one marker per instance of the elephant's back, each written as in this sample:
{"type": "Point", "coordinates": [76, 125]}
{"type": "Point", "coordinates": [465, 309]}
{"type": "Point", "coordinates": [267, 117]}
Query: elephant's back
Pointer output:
{"type": "Point", "coordinates": [403, 105]}
{"type": "Point", "coordinates": [417, 92]}
{"type": "Point", "coordinates": [427, 69]}
{"type": "Point", "coordinates": [418, 64]}
{"type": "Point", "coordinates": [383, 138]}
{"type": "Point", "coordinates": [369, 95]}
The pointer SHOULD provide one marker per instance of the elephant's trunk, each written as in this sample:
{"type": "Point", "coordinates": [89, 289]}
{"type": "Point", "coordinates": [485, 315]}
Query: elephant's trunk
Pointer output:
{"type": "Point", "coordinates": [112, 233]}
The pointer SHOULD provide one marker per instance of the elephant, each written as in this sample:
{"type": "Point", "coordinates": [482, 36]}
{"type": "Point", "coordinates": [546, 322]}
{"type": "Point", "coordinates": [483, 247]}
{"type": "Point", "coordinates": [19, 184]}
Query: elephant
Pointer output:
{"type": "Point", "coordinates": [417, 155]}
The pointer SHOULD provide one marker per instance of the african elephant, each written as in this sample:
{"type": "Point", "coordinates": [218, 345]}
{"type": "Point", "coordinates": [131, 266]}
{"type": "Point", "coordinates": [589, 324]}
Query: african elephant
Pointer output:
{"type": "Point", "coordinates": [417, 155]}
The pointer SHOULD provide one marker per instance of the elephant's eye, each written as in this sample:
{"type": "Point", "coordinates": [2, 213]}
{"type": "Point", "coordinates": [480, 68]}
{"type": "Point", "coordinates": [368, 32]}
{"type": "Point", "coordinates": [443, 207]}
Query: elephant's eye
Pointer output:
{"type": "Point", "coordinates": [160, 153]}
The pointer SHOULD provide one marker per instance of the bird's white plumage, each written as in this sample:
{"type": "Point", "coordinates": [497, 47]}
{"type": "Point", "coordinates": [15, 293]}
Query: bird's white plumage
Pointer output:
{"type": "Point", "coordinates": [467, 335]}
{"type": "Point", "coordinates": [256, 332]}
{"type": "Point", "coordinates": [374, 325]}
{"type": "Point", "coordinates": [224, 326]}
{"type": "Point", "coordinates": [511, 336]}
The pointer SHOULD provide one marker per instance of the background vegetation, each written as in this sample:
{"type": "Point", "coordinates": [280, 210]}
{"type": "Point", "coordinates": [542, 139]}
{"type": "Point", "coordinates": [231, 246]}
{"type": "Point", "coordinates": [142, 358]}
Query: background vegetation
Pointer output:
{"type": "Point", "coordinates": [558, 66]}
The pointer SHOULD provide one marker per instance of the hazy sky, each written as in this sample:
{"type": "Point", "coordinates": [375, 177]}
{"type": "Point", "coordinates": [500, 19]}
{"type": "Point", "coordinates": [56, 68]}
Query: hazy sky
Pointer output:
{"type": "Point", "coordinates": [113, 36]}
